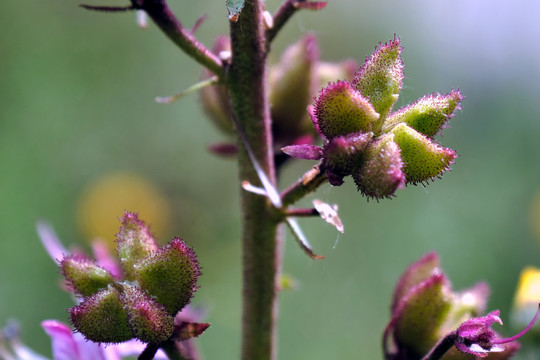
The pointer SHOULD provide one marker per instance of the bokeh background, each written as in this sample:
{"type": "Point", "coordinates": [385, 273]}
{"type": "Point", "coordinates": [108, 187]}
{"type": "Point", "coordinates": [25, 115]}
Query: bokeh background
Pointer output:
{"type": "Point", "coordinates": [79, 129]}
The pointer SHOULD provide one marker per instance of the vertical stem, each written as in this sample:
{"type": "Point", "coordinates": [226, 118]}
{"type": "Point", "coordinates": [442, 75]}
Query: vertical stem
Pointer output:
{"type": "Point", "coordinates": [261, 251]}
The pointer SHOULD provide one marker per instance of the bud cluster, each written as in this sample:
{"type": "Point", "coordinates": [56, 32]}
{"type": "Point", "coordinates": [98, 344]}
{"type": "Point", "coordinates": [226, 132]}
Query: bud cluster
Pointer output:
{"type": "Point", "coordinates": [382, 150]}
{"type": "Point", "coordinates": [157, 283]}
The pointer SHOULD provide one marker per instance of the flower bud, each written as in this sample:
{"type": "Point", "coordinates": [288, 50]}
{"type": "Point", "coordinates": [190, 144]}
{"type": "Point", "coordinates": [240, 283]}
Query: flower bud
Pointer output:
{"type": "Point", "coordinates": [427, 115]}
{"type": "Point", "coordinates": [380, 78]}
{"type": "Point", "coordinates": [170, 275]}
{"type": "Point", "coordinates": [134, 242]}
{"type": "Point", "coordinates": [341, 110]}
{"type": "Point", "coordinates": [292, 85]}
{"type": "Point", "coordinates": [342, 153]}
{"type": "Point", "coordinates": [84, 275]}
{"type": "Point", "coordinates": [150, 321]}
{"type": "Point", "coordinates": [381, 171]}
{"type": "Point", "coordinates": [102, 317]}
{"type": "Point", "coordinates": [421, 314]}
{"type": "Point", "coordinates": [423, 158]}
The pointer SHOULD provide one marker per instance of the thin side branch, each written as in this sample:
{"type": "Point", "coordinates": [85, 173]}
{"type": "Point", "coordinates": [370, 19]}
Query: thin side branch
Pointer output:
{"type": "Point", "coordinates": [282, 15]}
{"type": "Point", "coordinates": [162, 15]}
{"type": "Point", "coordinates": [305, 185]}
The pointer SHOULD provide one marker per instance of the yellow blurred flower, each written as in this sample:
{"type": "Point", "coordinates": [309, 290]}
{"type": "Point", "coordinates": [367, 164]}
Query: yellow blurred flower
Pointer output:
{"type": "Point", "coordinates": [105, 199]}
{"type": "Point", "coordinates": [526, 299]}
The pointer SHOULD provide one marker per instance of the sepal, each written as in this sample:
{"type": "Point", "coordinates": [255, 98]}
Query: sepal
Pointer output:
{"type": "Point", "coordinates": [170, 275]}
{"type": "Point", "coordinates": [381, 77]}
{"type": "Point", "coordinates": [84, 276]}
{"type": "Point", "coordinates": [102, 317]}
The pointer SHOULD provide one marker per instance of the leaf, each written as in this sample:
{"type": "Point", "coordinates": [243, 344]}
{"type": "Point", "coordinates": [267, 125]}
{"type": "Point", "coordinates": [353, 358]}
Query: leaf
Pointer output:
{"type": "Point", "coordinates": [234, 7]}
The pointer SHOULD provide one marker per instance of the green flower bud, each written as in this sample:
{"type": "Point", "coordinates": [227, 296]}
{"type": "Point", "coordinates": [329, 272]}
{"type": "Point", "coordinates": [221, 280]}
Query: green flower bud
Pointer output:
{"type": "Point", "coordinates": [380, 78]}
{"type": "Point", "coordinates": [421, 314]}
{"type": "Point", "coordinates": [170, 275]}
{"type": "Point", "coordinates": [102, 317]}
{"type": "Point", "coordinates": [341, 110]}
{"type": "Point", "coordinates": [423, 158]}
{"type": "Point", "coordinates": [84, 275]}
{"type": "Point", "coordinates": [427, 115]}
{"type": "Point", "coordinates": [150, 321]}
{"type": "Point", "coordinates": [292, 84]}
{"type": "Point", "coordinates": [134, 243]}
{"type": "Point", "coordinates": [381, 171]}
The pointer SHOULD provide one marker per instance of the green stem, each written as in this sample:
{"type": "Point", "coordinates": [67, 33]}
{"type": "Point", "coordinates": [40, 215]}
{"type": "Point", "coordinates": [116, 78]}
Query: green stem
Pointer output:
{"type": "Point", "coordinates": [162, 15]}
{"type": "Point", "coordinates": [261, 241]}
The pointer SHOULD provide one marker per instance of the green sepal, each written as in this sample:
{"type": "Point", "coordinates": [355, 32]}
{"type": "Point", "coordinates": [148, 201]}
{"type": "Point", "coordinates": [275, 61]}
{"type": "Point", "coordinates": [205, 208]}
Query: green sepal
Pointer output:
{"type": "Point", "coordinates": [170, 275]}
{"type": "Point", "coordinates": [150, 321]}
{"type": "Point", "coordinates": [427, 115]}
{"type": "Point", "coordinates": [84, 275]}
{"type": "Point", "coordinates": [134, 243]}
{"type": "Point", "coordinates": [381, 77]}
{"type": "Point", "coordinates": [102, 318]}
{"type": "Point", "coordinates": [341, 110]}
{"type": "Point", "coordinates": [423, 158]}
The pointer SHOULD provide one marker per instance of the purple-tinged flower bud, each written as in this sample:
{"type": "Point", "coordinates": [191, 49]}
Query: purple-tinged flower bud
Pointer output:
{"type": "Point", "coordinates": [134, 242]}
{"type": "Point", "coordinates": [342, 153]}
{"type": "Point", "coordinates": [292, 85]}
{"type": "Point", "coordinates": [341, 110]}
{"type": "Point", "coordinates": [170, 275]}
{"type": "Point", "coordinates": [427, 115]}
{"type": "Point", "coordinates": [102, 317]}
{"type": "Point", "coordinates": [381, 171]}
{"type": "Point", "coordinates": [421, 270]}
{"type": "Point", "coordinates": [420, 314]}
{"type": "Point", "coordinates": [150, 321]}
{"type": "Point", "coordinates": [423, 158]}
{"type": "Point", "coordinates": [380, 78]}
{"type": "Point", "coordinates": [84, 276]}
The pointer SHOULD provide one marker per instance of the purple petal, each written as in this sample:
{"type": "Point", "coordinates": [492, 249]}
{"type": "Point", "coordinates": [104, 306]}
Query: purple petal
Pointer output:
{"type": "Point", "coordinates": [105, 259]}
{"type": "Point", "coordinates": [64, 346]}
{"type": "Point", "coordinates": [50, 241]}
{"type": "Point", "coordinates": [306, 152]}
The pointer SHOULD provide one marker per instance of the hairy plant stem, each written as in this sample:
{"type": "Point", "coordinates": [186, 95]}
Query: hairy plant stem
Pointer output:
{"type": "Point", "coordinates": [261, 256]}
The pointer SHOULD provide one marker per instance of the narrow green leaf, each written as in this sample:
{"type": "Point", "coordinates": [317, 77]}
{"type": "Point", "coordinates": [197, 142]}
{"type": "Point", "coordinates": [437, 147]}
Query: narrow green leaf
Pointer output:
{"type": "Point", "coordinates": [234, 7]}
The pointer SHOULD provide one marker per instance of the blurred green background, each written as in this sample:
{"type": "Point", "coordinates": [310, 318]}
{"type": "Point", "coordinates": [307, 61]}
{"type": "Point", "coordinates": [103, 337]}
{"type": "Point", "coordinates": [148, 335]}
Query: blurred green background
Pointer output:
{"type": "Point", "coordinates": [76, 105]}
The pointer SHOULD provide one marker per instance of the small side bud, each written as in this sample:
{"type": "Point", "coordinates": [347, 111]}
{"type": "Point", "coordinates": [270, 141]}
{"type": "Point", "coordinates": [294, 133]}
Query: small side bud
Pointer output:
{"type": "Point", "coordinates": [341, 110]}
{"type": "Point", "coordinates": [423, 158]}
{"type": "Point", "coordinates": [381, 77]}
{"type": "Point", "coordinates": [150, 321]}
{"type": "Point", "coordinates": [428, 115]}
{"type": "Point", "coordinates": [134, 242]}
{"type": "Point", "coordinates": [214, 98]}
{"type": "Point", "coordinates": [170, 275]}
{"type": "Point", "coordinates": [381, 172]}
{"type": "Point", "coordinates": [84, 275]}
{"type": "Point", "coordinates": [102, 318]}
